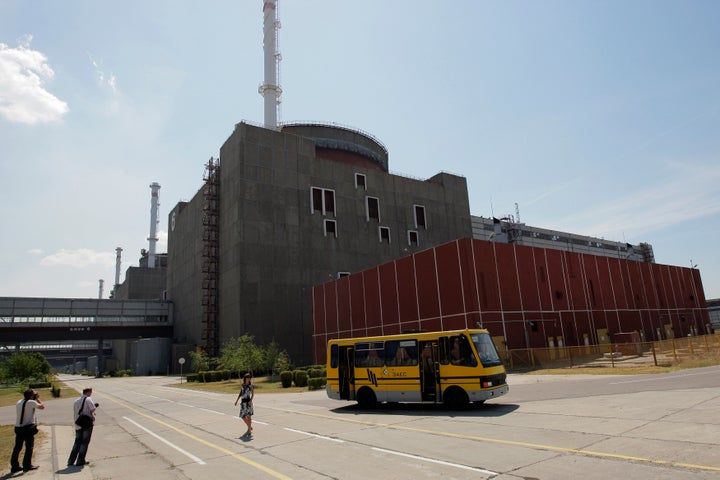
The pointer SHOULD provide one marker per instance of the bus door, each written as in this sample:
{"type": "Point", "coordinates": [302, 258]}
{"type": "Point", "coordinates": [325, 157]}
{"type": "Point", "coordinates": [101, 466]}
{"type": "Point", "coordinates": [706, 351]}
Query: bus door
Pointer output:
{"type": "Point", "coordinates": [346, 369]}
{"type": "Point", "coordinates": [429, 375]}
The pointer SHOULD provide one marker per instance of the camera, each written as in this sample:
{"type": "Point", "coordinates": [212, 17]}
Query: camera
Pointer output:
{"type": "Point", "coordinates": [35, 396]}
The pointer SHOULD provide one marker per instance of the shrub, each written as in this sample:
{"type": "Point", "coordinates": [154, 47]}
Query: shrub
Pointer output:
{"type": "Point", "coordinates": [55, 391]}
{"type": "Point", "coordinates": [316, 372]}
{"type": "Point", "coordinates": [286, 378]}
{"type": "Point", "coordinates": [316, 383]}
{"type": "Point", "coordinates": [301, 378]}
{"type": "Point", "coordinates": [39, 385]}
{"type": "Point", "coordinates": [192, 377]}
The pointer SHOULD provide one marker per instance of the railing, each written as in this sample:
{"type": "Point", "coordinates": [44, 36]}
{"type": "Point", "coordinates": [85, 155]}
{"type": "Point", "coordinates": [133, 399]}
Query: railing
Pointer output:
{"type": "Point", "coordinates": [660, 353]}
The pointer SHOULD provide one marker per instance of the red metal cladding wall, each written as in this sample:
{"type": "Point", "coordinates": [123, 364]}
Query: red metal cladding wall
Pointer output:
{"type": "Point", "coordinates": [530, 296]}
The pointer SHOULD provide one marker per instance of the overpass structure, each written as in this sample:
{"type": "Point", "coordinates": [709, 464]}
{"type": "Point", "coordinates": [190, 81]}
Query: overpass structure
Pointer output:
{"type": "Point", "coordinates": [67, 324]}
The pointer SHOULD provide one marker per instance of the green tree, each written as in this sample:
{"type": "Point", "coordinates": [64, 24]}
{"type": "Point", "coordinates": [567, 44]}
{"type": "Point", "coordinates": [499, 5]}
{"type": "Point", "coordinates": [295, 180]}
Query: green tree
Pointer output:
{"type": "Point", "coordinates": [275, 360]}
{"type": "Point", "coordinates": [198, 361]}
{"type": "Point", "coordinates": [24, 366]}
{"type": "Point", "coordinates": [282, 362]}
{"type": "Point", "coordinates": [241, 354]}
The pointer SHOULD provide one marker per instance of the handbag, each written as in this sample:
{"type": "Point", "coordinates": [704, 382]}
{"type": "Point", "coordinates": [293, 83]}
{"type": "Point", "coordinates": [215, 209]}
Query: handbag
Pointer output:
{"type": "Point", "coordinates": [84, 421]}
{"type": "Point", "coordinates": [31, 429]}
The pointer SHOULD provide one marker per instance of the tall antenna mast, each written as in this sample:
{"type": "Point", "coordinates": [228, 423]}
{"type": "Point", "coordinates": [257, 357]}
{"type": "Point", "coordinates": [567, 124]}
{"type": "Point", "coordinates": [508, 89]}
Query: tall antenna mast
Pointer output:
{"type": "Point", "coordinates": [270, 89]}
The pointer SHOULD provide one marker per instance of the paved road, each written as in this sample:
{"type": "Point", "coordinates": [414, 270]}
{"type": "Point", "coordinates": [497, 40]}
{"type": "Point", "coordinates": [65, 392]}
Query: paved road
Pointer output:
{"type": "Point", "coordinates": [547, 427]}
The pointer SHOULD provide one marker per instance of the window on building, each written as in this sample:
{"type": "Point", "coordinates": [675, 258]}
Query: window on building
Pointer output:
{"type": "Point", "coordinates": [322, 200]}
{"type": "Point", "coordinates": [420, 221]}
{"type": "Point", "coordinates": [360, 181]}
{"type": "Point", "coordinates": [372, 208]}
{"type": "Point", "coordinates": [413, 238]}
{"type": "Point", "coordinates": [384, 233]}
{"type": "Point", "coordinates": [329, 201]}
{"type": "Point", "coordinates": [330, 228]}
{"type": "Point", "coordinates": [343, 274]}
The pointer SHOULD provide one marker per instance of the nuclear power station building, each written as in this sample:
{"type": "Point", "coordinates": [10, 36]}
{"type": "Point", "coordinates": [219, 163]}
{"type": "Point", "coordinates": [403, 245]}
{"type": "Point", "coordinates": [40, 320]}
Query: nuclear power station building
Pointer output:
{"type": "Point", "coordinates": [299, 233]}
{"type": "Point", "coordinates": [288, 207]}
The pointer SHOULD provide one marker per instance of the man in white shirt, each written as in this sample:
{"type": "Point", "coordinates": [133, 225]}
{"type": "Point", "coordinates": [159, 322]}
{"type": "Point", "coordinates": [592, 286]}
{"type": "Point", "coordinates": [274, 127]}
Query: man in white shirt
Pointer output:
{"type": "Point", "coordinates": [25, 430]}
{"type": "Point", "coordinates": [82, 406]}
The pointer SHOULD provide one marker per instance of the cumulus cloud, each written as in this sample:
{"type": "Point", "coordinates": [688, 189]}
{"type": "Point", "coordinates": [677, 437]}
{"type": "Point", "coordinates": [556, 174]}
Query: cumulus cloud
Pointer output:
{"type": "Point", "coordinates": [23, 97]}
{"type": "Point", "coordinates": [79, 258]}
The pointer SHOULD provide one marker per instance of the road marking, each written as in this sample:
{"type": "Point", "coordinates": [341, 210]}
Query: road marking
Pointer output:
{"type": "Point", "coordinates": [538, 446]}
{"type": "Point", "coordinates": [439, 462]}
{"type": "Point", "coordinates": [230, 453]}
{"type": "Point", "coordinates": [315, 435]}
{"type": "Point", "coordinates": [167, 442]}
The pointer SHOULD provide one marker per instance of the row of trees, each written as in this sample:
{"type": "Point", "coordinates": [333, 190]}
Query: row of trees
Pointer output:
{"type": "Point", "coordinates": [243, 355]}
{"type": "Point", "coordinates": [24, 368]}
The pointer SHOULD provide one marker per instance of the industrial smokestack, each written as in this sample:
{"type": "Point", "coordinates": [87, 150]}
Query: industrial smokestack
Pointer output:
{"type": "Point", "coordinates": [118, 251]}
{"type": "Point", "coordinates": [100, 288]}
{"type": "Point", "coordinates": [152, 239]}
{"type": "Point", "coordinates": [270, 89]}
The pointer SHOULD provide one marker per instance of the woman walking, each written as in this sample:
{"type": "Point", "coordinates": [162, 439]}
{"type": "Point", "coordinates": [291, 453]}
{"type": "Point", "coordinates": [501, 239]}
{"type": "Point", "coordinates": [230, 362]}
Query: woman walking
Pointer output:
{"type": "Point", "coordinates": [247, 392]}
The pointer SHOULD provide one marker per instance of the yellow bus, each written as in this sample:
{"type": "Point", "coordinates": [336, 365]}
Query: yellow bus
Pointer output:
{"type": "Point", "coordinates": [453, 367]}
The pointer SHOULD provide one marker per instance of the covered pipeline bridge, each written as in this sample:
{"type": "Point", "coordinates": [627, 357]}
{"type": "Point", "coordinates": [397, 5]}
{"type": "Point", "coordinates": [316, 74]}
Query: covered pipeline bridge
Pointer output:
{"type": "Point", "coordinates": [28, 320]}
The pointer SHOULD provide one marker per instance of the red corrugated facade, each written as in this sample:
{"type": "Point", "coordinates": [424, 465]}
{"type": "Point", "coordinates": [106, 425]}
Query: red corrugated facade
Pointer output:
{"type": "Point", "coordinates": [528, 295]}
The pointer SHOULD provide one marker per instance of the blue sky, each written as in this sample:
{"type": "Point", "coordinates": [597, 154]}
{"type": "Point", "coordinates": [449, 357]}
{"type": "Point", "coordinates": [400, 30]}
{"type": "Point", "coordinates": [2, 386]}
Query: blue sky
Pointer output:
{"type": "Point", "coordinates": [600, 118]}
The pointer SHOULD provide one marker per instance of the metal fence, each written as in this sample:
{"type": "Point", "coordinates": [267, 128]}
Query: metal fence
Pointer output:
{"type": "Point", "coordinates": [660, 353]}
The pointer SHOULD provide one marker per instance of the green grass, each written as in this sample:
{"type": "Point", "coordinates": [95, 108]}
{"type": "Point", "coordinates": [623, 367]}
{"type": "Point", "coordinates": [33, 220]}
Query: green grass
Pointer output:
{"type": "Point", "coordinates": [11, 395]}
{"type": "Point", "coordinates": [262, 385]}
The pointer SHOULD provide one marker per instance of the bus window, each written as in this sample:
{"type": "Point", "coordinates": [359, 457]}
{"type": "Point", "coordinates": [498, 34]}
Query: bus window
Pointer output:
{"type": "Point", "coordinates": [486, 349]}
{"type": "Point", "coordinates": [369, 354]}
{"type": "Point", "coordinates": [401, 353]}
{"type": "Point", "coordinates": [460, 351]}
{"type": "Point", "coordinates": [333, 356]}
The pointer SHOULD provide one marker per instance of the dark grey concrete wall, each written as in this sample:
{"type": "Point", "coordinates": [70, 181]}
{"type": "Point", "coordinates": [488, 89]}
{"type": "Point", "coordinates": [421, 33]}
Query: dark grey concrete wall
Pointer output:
{"type": "Point", "coordinates": [273, 247]}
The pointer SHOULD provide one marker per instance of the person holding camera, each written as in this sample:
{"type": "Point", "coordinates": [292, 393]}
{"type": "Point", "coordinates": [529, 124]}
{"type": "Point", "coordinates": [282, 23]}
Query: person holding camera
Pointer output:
{"type": "Point", "coordinates": [25, 430]}
{"type": "Point", "coordinates": [83, 406]}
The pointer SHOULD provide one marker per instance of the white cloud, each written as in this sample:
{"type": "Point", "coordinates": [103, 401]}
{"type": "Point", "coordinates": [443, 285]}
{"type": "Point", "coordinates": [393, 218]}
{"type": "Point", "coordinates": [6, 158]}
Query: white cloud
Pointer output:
{"type": "Point", "coordinates": [104, 79]}
{"type": "Point", "coordinates": [23, 98]}
{"type": "Point", "coordinates": [689, 193]}
{"type": "Point", "coordinates": [79, 258]}
{"type": "Point", "coordinates": [36, 251]}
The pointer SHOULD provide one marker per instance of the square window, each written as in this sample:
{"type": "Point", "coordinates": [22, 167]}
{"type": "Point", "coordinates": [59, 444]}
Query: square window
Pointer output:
{"type": "Point", "coordinates": [316, 200]}
{"type": "Point", "coordinates": [413, 238]}
{"type": "Point", "coordinates": [360, 181]}
{"type": "Point", "coordinates": [322, 200]}
{"type": "Point", "coordinates": [372, 208]}
{"type": "Point", "coordinates": [330, 228]}
{"type": "Point", "coordinates": [420, 216]}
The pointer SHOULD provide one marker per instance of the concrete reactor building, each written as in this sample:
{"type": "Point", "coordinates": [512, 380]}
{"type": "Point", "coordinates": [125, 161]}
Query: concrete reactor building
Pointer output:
{"type": "Point", "coordinates": [288, 207]}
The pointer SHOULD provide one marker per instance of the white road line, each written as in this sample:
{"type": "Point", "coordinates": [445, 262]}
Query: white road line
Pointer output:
{"type": "Point", "coordinates": [208, 410]}
{"type": "Point", "coordinates": [184, 452]}
{"type": "Point", "coordinates": [439, 462]}
{"type": "Point", "coordinates": [315, 435]}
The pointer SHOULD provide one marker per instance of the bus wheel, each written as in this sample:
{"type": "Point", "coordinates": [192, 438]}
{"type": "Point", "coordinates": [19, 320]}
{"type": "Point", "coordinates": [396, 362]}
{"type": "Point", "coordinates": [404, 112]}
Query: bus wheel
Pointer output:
{"type": "Point", "coordinates": [366, 398]}
{"type": "Point", "coordinates": [455, 398]}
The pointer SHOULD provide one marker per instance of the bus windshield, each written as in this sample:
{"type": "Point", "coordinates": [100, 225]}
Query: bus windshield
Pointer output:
{"type": "Point", "coordinates": [486, 349]}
